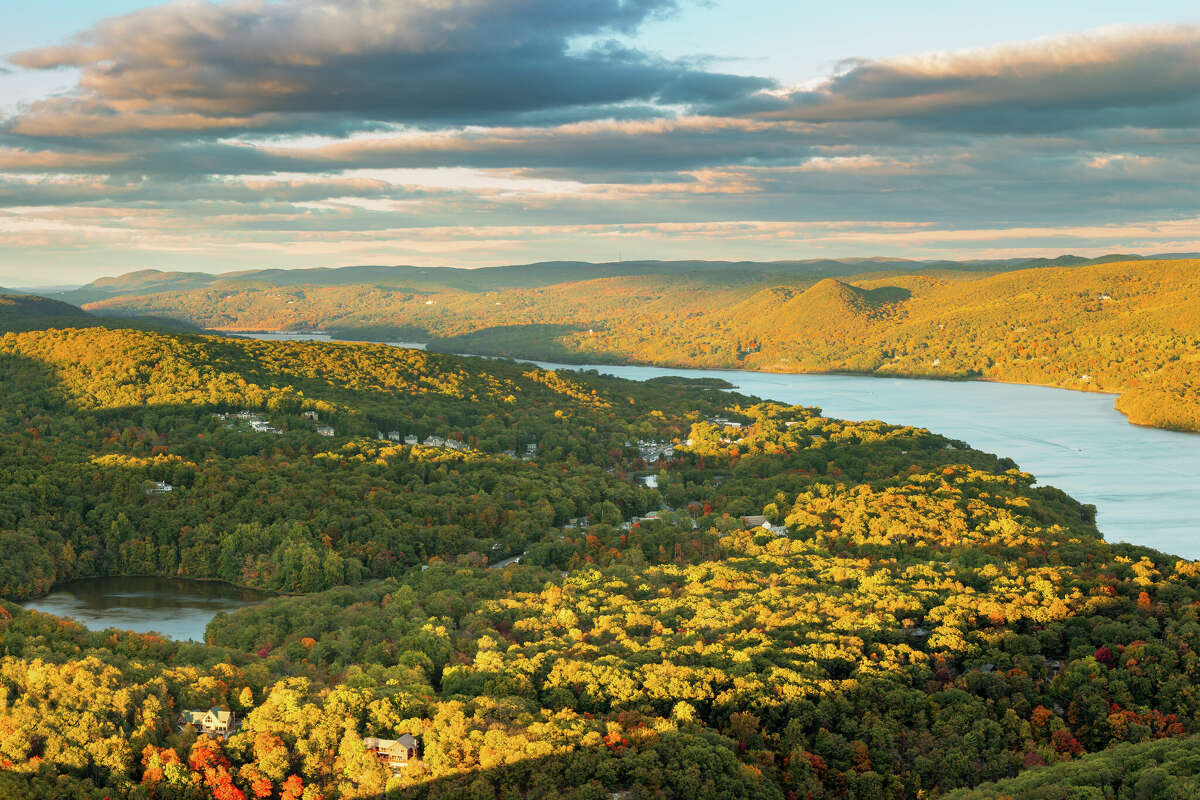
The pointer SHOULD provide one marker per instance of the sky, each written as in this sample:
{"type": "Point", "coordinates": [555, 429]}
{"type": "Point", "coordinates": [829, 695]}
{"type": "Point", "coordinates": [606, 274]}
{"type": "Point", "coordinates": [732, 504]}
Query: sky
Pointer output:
{"type": "Point", "coordinates": [217, 136]}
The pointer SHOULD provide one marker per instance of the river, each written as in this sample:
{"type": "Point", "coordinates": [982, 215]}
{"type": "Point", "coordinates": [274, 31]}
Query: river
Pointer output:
{"type": "Point", "coordinates": [1144, 482]}
{"type": "Point", "coordinates": [175, 607]}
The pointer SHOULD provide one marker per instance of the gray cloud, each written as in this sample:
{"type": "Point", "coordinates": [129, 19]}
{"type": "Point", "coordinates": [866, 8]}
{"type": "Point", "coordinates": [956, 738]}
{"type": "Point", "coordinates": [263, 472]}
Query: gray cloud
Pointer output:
{"type": "Point", "coordinates": [301, 64]}
{"type": "Point", "coordinates": [1108, 78]}
{"type": "Point", "coordinates": [171, 142]}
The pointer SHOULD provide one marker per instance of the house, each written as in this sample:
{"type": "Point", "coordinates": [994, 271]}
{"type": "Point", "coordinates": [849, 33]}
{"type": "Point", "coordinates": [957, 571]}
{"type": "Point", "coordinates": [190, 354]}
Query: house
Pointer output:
{"type": "Point", "coordinates": [411, 439]}
{"type": "Point", "coordinates": [395, 754]}
{"type": "Point", "coordinates": [395, 436]}
{"type": "Point", "coordinates": [434, 441]}
{"type": "Point", "coordinates": [754, 521]}
{"type": "Point", "coordinates": [215, 721]}
{"type": "Point", "coordinates": [260, 425]}
{"type": "Point", "coordinates": [325, 430]}
{"type": "Point", "coordinates": [649, 481]}
{"type": "Point", "coordinates": [778, 530]}
{"type": "Point", "coordinates": [454, 444]}
{"type": "Point", "coordinates": [160, 487]}
{"type": "Point", "coordinates": [310, 415]}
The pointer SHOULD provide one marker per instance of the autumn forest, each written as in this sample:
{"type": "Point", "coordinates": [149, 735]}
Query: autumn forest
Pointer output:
{"type": "Point", "coordinates": [469, 552]}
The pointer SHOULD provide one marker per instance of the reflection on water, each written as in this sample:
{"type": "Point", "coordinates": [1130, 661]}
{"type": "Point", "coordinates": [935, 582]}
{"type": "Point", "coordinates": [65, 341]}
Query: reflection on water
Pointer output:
{"type": "Point", "coordinates": [315, 336]}
{"type": "Point", "coordinates": [175, 607]}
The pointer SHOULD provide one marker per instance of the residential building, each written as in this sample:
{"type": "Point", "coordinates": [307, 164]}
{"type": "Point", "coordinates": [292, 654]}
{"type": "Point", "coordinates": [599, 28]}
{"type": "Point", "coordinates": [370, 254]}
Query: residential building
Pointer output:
{"type": "Point", "coordinates": [215, 721]}
{"type": "Point", "coordinates": [395, 754]}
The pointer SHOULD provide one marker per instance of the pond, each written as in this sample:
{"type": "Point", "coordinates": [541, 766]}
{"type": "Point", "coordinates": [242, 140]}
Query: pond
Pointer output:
{"type": "Point", "coordinates": [175, 607]}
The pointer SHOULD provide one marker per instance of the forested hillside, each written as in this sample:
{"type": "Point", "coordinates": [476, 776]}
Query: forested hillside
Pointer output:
{"type": "Point", "coordinates": [1131, 327]}
{"type": "Point", "coordinates": [19, 312]}
{"type": "Point", "coordinates": [908, 617]}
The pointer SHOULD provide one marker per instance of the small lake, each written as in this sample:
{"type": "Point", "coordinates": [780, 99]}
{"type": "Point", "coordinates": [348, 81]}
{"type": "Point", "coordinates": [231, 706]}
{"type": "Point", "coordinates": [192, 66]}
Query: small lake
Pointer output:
{"type": "Point", "coordinates": [175, 607]}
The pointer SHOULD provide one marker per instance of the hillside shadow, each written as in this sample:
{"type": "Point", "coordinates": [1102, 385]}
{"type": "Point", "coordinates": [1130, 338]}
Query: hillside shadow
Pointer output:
{"type": "Point", "coordinates": [675, 764]}
{"type": "Point", "coordinates": [542, 342]}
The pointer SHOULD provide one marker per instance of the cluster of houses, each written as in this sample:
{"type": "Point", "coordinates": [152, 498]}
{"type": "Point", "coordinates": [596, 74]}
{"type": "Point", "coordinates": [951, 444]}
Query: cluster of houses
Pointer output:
{"type": "Point", "coordinates": [322, 430]}
{"type": "Point", "coordinates": [651, 451]}
{"type": "Point", "coordinates": [259, 423]}
{"type": "Point", "coordinates": [221, 723]}
{"type": "Point", "coordinates": [429, 441]}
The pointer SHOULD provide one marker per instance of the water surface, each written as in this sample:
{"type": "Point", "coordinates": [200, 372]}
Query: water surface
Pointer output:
{"type": "Point", "coordinates": [314, 336]}
{"type": "Point", "coordinates": [1144, 482]}
{"type": "Point", "coordinates": [175, 607]}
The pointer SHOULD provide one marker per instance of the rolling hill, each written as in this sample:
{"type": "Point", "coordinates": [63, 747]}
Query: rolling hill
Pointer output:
{"type": "Point", "coordinates": [916, 618]}
{"type": "Point", "coordinates": [21, 312]}
{"type": "Point", "coordinates": [1123, 326]}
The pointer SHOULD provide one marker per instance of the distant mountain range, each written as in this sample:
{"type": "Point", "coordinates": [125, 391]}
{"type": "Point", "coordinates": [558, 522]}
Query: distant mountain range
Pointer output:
{"type": "Point", "coordinates": [546, 273]}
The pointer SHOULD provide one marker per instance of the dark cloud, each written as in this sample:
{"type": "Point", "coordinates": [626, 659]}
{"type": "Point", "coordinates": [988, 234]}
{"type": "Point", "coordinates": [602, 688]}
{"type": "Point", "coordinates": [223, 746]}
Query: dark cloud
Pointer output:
{"type": "Point", "coordinates": [1114, 77]}
{"type": "Point", "coordinates": [205, 67]}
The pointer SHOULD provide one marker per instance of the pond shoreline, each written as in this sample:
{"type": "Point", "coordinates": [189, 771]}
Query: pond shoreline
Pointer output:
{"type": "Point", "coordinates": [60, 585]}
{"type": "Point", "coordinates": [175, 607]}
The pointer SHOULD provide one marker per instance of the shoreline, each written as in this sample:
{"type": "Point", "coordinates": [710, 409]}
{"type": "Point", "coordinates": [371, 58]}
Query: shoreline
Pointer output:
{"type": "Point", "coordinates": [58, 585]}
{"type": "Point", "coordinates": [1115, 394]}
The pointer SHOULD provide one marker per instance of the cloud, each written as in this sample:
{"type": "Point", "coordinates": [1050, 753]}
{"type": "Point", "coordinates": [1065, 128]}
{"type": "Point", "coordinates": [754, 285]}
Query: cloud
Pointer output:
{"type": "Point", "coordinates": [1107, 78]}
{"type": "Point", "coordinates": [496, 131]}
{"type": "Point", "coordinates": [299, 64]}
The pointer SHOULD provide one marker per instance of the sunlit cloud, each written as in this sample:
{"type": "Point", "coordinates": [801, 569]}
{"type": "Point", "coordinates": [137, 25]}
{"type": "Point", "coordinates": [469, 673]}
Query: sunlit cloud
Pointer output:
{"type": "Point", "coordinates": [215, 135]}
